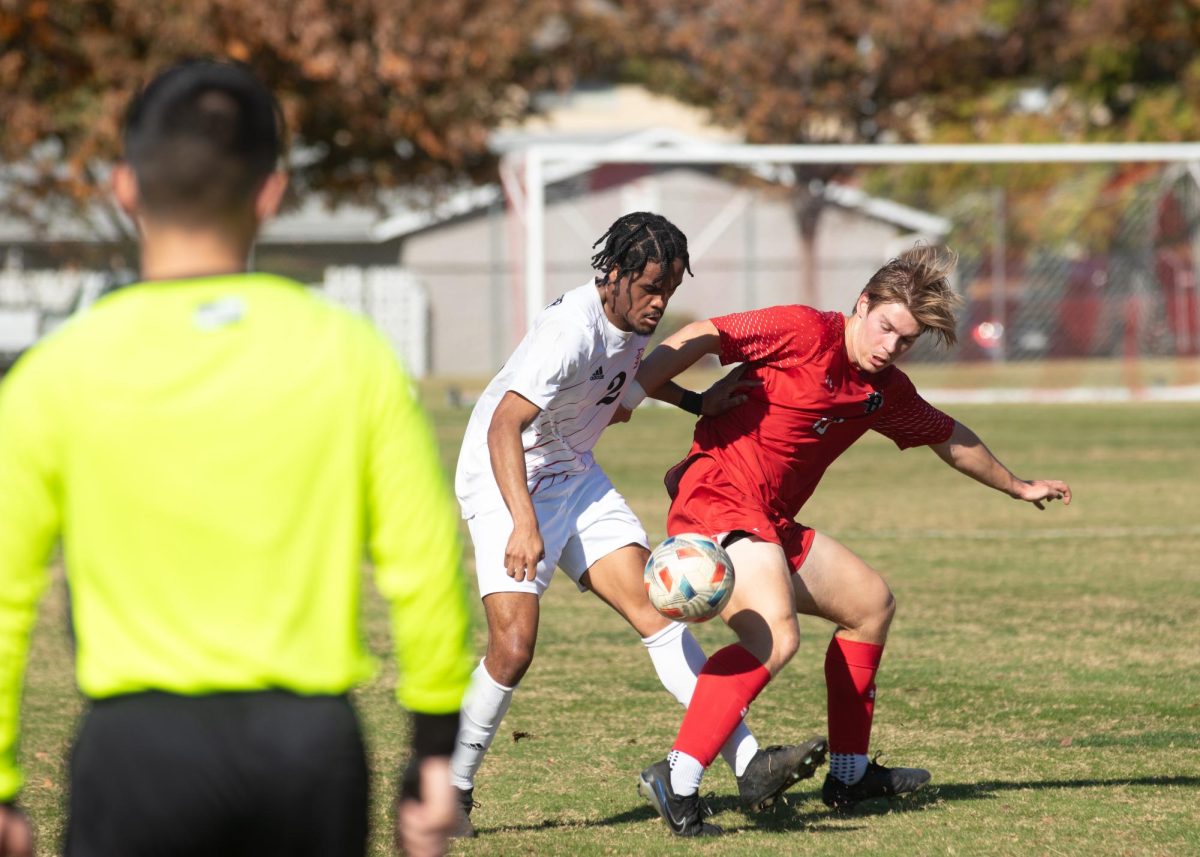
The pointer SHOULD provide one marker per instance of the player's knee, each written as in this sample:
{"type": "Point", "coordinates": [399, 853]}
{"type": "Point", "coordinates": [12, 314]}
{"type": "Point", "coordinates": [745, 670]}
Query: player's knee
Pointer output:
{"type": "Point", "coordinates": [509, 657]}
{"type": "Point", "coordinates": [788, 641]}
{"type": "Point", "coordinates": [881, 607]}
{"type": "Point", "coordinates": [889, 607]}
{"type": "Point", "coordinates": [785, 640]}
{"type": "Point", "coordinates": [884, 606]}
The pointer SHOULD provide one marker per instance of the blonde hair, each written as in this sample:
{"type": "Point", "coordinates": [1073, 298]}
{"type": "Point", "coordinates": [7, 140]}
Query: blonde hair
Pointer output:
{"type": "Point", "coordinates": [919, 279]}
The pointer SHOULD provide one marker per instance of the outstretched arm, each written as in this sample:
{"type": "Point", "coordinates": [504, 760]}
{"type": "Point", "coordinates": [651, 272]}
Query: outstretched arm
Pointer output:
{"type": "Point", "coordinates": [966, 453]}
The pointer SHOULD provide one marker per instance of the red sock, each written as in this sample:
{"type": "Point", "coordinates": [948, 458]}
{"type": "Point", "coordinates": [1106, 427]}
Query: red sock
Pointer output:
{"type": "Point", "coordinates": [850, 669]}
{"type": "Point", "coordinates": [727, 685]}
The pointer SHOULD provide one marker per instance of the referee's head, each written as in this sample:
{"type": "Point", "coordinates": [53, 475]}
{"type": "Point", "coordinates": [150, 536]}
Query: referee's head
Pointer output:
{"type": "Point", "coordinates": [202, 142]}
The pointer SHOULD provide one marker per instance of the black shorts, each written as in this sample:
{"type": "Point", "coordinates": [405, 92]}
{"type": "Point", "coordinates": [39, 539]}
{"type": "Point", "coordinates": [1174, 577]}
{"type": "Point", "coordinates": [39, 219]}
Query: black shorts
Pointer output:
{"type": "Point", "coordinates": [263, 773]}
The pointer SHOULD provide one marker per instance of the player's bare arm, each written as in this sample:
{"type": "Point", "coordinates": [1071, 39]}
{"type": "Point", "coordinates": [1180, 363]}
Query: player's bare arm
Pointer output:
{"type": "Point", "coordinates": [525, 549]}
{"type": "Point", "coordinates": [677, 353]}
{"type": "Point", "coordinates": [726, 392]}
{"type": "Point", "coordinates": [967, 454]}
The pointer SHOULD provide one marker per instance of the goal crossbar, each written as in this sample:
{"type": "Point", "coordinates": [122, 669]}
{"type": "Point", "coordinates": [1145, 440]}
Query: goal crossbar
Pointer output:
{"type": "Point", "coordinates": [538, 158]}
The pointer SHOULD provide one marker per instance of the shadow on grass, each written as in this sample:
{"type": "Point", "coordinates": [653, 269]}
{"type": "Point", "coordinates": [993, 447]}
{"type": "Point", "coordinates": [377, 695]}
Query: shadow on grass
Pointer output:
{"type": "Point", "coordinates": [988, 790]}
{"type": "Point", "coordinates": [936, 793]}
{"type": "Point", "coordinates": [801, 813]}
{"type": "Point", "coordinates": [808, 813]}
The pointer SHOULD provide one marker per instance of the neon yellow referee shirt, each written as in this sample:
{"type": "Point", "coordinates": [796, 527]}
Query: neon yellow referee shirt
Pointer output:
{"type": "Point", "coordinates": [218, 456]}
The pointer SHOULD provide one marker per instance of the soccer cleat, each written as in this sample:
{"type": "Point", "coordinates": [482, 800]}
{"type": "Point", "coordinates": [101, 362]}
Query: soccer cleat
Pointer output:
{"type": "Point", "coordinates": [878, 781]}
{"type": "Point", "coordinates": [684, 815]}
{"type": "Point", "coordinates": [463, 829]}
{"type": "Point", "coordinates": [776, 769]}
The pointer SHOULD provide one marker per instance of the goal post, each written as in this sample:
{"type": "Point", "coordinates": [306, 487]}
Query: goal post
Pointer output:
{"type": "Point", "coordinates": [541, 165]}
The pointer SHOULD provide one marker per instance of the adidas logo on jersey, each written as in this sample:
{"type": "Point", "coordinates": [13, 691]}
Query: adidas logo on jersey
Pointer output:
{"type": "Point", "coordinates": [598, 375]}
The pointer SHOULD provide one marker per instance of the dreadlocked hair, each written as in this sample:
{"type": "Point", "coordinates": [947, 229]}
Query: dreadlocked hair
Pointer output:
{"type": "Point", "coordinates": [637, 239]}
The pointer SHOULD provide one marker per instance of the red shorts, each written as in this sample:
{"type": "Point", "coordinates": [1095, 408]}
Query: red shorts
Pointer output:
{"type": "Point", "coordinates": [703, 501]}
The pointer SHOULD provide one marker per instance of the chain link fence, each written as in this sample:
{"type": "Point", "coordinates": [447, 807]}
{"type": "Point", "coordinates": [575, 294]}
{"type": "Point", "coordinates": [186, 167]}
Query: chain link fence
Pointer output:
{"type": "Point", "coordinates": [1116, 279]}
{"type": "Point", "coordinates": [1081, 262]}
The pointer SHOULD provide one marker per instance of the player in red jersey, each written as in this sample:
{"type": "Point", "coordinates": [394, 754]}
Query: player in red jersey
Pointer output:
{"type": "Point", "coordinates": [816, 383]}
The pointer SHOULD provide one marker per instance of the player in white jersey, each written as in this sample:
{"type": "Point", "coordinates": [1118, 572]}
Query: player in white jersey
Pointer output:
{"type": "Point", "coordinates": [572, 367]}
{"type": "Point", "coordinates": [535, 499]}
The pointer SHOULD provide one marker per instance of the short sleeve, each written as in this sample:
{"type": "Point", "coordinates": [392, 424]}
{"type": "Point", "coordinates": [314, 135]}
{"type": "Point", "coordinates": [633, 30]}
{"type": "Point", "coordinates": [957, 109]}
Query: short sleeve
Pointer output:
{"type": "Point", "coordinates": [908, 420]}
{"type": "Point", "coordinates": [780, 336]}
{"type": "Point", "coordinates": [551, 363]}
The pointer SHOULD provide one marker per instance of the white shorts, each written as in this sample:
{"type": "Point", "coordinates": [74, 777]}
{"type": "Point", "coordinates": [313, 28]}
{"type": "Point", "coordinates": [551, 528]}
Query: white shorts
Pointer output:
{"type": "Point", "coordinates": [581, 520]}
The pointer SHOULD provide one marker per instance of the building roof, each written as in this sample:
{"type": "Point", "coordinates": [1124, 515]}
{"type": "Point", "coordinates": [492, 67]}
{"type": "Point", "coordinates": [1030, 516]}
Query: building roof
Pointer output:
{"type": "Point", "coordinates": [398, 215]}
{"type": "Point", "coordinates": [510, 145]}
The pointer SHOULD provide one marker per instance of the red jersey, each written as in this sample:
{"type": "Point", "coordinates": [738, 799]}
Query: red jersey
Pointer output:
{"type": "Point", "coordinates": [811, 405]}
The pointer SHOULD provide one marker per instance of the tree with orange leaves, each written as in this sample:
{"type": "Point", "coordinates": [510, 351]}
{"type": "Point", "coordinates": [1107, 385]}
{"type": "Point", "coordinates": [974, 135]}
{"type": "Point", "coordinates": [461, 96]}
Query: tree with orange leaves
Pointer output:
{"type": "Point", "coordinates": [376, 94]}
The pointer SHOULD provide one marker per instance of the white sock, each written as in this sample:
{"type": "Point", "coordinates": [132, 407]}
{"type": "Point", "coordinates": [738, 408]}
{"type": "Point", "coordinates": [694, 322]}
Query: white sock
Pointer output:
{"type": "Point", "coordinates": [739, 749]}
{"type": "Point", "coordinates": [484, 706]}
{"type": "Point", "coordinates": [678, 659]}
{"type": "Point", "coordinates": [685, 773]}
{"type": "Point", "coordinates": [847, 767]}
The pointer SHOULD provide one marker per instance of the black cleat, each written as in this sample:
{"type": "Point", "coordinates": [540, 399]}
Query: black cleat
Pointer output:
{"type": "Point", "coordinates": [776, 769]}
{"type": "Point", "coordinates": [463, 829]}
{"type": "Point", "coordinates": [684, 815]}
{"type": "Point", "coordinates": [878, 781]}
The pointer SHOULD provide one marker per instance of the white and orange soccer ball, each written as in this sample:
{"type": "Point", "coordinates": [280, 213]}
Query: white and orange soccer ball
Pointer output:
{"type": "Point", "coordinates": [689, 578]}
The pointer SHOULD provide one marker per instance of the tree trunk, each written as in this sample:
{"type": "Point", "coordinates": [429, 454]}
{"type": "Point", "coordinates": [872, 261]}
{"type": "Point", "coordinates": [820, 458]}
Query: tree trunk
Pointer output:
{"type": "Point", "coordinates": [807, 207]}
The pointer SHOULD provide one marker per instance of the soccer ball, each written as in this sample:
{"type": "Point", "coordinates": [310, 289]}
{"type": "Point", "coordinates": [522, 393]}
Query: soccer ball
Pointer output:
{"type": "Point", "coordinates": [689, 578]}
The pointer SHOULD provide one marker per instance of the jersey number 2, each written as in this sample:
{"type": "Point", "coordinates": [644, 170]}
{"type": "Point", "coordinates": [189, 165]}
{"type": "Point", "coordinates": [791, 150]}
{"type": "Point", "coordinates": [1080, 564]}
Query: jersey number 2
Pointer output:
{"type": "Point", "coordinates": [614, 389]}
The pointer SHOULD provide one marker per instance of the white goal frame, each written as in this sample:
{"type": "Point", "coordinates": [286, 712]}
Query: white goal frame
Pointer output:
{"type": "Point", "coordinates": [541, 161]}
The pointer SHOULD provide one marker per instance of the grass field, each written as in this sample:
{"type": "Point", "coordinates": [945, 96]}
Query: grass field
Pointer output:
{"type": "Point", "coordinates": [1044, 665]}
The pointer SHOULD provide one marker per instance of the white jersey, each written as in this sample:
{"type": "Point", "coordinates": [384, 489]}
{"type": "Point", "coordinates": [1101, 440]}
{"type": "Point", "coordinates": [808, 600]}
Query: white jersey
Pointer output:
{"type": "Point", "coordinates": [574, 365]}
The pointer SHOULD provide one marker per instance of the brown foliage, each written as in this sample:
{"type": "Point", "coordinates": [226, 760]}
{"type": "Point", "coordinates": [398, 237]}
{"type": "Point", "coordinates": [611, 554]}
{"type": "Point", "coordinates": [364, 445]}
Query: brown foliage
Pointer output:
{"type": "Point", "coordinates": [819, 72]}
{"type": "Point", "coordinates": [866, 70]}
{"type": "Point", "coordinates": [377, 94]}
{"type": "Point", "coordinates": [381, 94]}
{"type": "Point", "coordinates": [928, 71]}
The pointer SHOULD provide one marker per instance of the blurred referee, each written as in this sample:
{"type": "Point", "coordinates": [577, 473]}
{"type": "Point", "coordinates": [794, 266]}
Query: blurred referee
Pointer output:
{"type": "Point", "coordinates": [217, 450]}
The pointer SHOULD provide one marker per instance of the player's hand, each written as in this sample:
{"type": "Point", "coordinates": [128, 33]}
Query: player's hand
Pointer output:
{"type": "Point", "coordinates": [523, 552]}
{"type": "Point", "coordinates": [16, 836]}
{"type": "Point", "coordinates": [424, 824]}
{"type": "Point", "coordinates": [727, 392]}
{"type": "Point", "coordinates": [1042, 491]}
{"type": "Point", "coordinates": [620, 415]}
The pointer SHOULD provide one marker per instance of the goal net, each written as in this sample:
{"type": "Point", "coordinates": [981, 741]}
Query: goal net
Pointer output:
{"type": "Point", "coordinates": [1077, 264]}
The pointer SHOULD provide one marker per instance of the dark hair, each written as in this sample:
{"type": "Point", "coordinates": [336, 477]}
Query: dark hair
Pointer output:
{"type": "Point", "coordinates": [201, 138]}
{"type": "Point", "coordinates": [637, 239]}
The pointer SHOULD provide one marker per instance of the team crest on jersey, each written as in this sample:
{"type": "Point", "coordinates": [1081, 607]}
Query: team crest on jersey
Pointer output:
{"type": "Point", "coordinates": [637, 360]}
{"type": "Point", "coordinates": [874, 402]}
{"type": "Point", "coordinates": [598, 375]}
{"type": "Point", "coordinates": [828, 382]}
{"type": "Point", "coordinates": [822, 425]}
